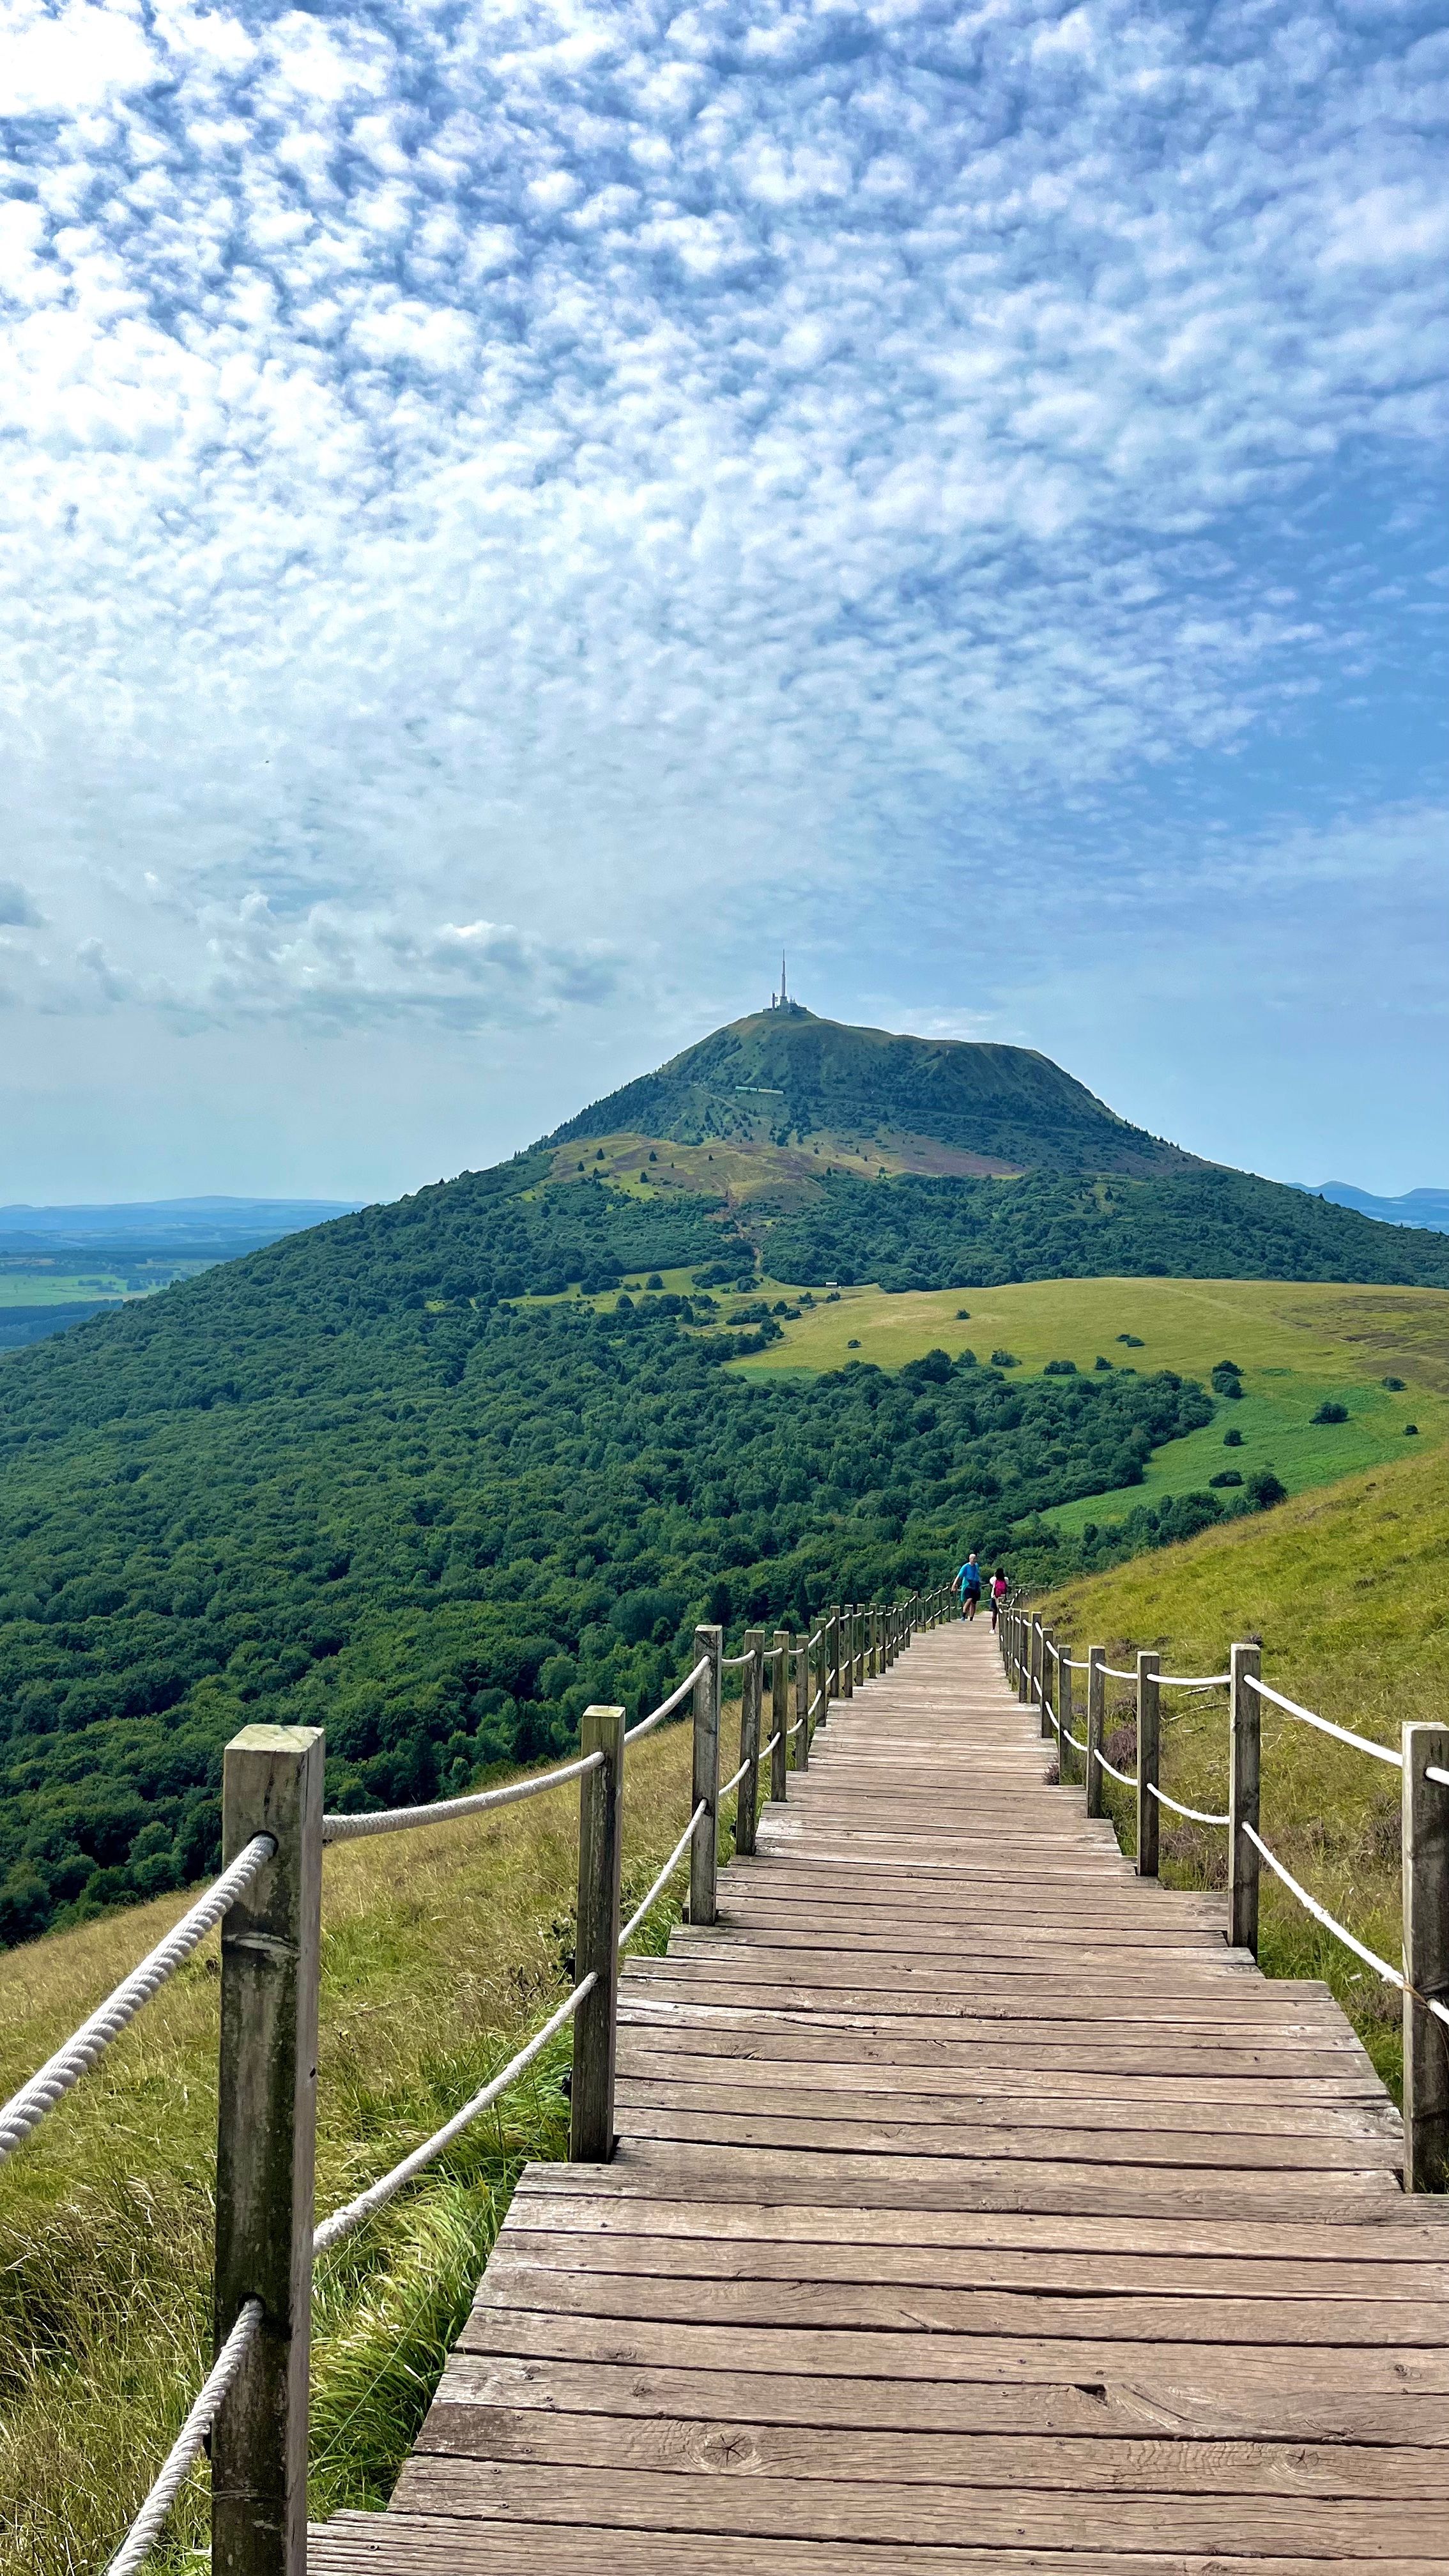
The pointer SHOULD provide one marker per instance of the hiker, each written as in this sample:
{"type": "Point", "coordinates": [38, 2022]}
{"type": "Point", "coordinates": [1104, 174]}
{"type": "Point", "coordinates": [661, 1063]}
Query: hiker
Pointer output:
{"type": "Point", "coordinates": [968, 1584]}
{"type": "Point", "coordinates": [999, 1590]}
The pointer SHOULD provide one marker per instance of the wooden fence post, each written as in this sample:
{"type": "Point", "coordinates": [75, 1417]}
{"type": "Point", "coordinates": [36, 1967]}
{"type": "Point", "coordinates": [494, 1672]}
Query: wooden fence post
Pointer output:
{"type": "Point", "coordinates": [1244, 1764]}
{"type": "Point", "coordinates": [266, 2142]}
{"type": "Point", "coordinates": [596, 1938]}
{"type": "Point", "coordinates": [1426, 1958]}
{"type": "Point", "coordinates": [1096, 1714]}
{"type": "Point", "coordinates": [822, 1674]}
{"type": "Point", "coordinates": [1023, 1678]}
{"type": "Point", "coordinates": [847, 1650]}
{"type": "Point", "coordinates": [751, 1693]}
{"type": "Point", "coordinates": [859, 1643]}
{"type": "Point", "coordinates": [704, 1850]}
{"type": "Point", "coordinates": [801, 1662]}
{"type": "Point", "coordinates": [1064, 1712]}
{"type": "Point", "coordinates": [1038, 1664]}
{"type": "Point", "coordinates": [780, 1712]}
{"type": "Point", "coordinates": [1048, 1683]}
{"type": "Point", "coordinates": [834, 1650]}
{"type": "Point", "coordinates": [1149, 1761]}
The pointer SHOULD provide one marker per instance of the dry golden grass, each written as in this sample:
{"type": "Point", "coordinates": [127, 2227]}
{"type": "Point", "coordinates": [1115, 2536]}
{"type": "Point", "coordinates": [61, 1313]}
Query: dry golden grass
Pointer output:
{"type": "Point", "coordinates": [441, 1950]}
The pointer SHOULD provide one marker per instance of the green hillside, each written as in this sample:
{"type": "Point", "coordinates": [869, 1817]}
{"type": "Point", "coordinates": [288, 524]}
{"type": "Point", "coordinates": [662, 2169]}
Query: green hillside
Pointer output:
{"type": "Point", "coordinates": [1346, 1590]}
{"type": "Point", "coordinates": [784, 1076]}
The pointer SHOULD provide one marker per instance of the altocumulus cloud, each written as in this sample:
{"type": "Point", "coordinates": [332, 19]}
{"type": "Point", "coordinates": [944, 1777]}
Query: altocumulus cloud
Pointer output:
{"type": "Point", "coordinates": [543, 465]}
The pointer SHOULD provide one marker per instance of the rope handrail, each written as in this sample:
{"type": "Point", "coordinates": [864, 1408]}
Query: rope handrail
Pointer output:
{"type": "Point", "coordinates": [442, 1811]}
{"type": "Point", "coordinates": [775, 1739]}
{"type": "Point", "coordinates": [343, 2221]}
{"type": "Point", "coordinates": [1194, 1681]}
{"type": "Point", "coordinates": [667, 1872]}
{"type": "Point", "coordinates": [1129, 1781]}
{"type": "Point", "coordinates": [1325, 1725]}
{"type": "Point", "coordinates": [189, 2444]}
{"type": "Point", "coordinates": [1076, 1743]}
{"type": "Point", "coordinates": [1433, 1772]}
{"type": "Point", "coordinates": [1320, 1914]}
{"type": "Point", "coordinates": [1114, 1674]}
{"type": "Point", "coordinates": [815, 1640]}
{"type": "Point", "coordinates": [666, 1707]}
{"type": "Point", "coordinates": [40, 2093]}
{"type": "Point", "coordinates": [1195, 1815]}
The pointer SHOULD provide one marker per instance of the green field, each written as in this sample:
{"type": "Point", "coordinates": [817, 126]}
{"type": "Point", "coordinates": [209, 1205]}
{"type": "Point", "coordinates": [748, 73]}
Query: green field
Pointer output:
{"type": "Point", "coordinates": [48, 1287]}
{"type": "Point", "coordinates": [1296, 1345]}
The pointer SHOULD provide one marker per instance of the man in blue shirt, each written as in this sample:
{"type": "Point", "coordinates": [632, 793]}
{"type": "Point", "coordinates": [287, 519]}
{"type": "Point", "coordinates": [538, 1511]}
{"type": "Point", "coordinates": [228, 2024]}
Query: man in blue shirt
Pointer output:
{"type": "Point", "coordinates": [968, 1584]}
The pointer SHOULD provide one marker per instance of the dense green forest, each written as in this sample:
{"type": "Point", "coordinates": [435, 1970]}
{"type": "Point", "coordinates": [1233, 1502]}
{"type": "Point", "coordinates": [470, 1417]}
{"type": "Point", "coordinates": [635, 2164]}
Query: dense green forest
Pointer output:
{"type": "Point", "coordinates": [442, 1535]}
{"type": "Point", "coordinates": [1207, 1224]}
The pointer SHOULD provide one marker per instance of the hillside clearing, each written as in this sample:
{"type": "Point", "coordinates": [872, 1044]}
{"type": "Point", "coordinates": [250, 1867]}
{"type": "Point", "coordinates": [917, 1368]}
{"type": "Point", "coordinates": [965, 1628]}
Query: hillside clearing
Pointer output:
{"type": "Point", "coordinates": [1296, 1345]}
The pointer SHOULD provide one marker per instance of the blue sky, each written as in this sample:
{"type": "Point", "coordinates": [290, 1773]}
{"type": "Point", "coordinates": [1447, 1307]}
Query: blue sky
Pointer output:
{"type": "Point", "coordinates": [512, 512]}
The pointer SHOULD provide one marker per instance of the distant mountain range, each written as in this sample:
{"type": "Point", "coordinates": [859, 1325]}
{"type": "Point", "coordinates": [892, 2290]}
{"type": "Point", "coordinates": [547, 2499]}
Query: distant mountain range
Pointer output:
{"type": "Point", "coordinates": [1426, 1208]}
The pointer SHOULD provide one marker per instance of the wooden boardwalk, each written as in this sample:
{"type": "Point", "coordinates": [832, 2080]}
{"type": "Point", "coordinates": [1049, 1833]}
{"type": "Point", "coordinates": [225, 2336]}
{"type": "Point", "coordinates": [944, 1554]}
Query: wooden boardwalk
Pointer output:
{"type": "Point", "coordinates": [975, 2208]}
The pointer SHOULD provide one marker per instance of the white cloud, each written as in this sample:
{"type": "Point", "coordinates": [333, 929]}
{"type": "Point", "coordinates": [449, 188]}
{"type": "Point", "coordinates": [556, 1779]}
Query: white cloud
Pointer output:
{"type": "Point", "coordinates": [586, 465]}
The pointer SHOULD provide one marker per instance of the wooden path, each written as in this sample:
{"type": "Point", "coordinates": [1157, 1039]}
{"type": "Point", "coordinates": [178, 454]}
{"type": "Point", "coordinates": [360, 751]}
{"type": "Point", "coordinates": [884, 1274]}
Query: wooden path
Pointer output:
{"type": "Point", "coordinates": [976, 2208]}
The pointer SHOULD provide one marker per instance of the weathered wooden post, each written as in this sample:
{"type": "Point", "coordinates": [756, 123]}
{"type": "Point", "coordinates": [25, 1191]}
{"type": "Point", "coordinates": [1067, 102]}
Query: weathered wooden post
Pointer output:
{"type": "Point", "coordinates": [1023, 1670]}
{"type": "Point", "coordinates": [271, 1783]}
{"type": "Point", "coordinates": [1096, 1716]}
{"type": "Point", "coordinates": [596, 1938]}
{"type": "Point", "coordinates": [1038, 1664]}
{"type": "Point", "coordinates": [704, 1850]}
{"type": "Point", "coordinates": [1048, 1681]}
{"type": "Point", "coordinates": [834, 1647]}
{"type": "Point", "coordinates": [1064, 1712]}
{"type": "Point", "coordinates": [801, 1661]}
{"type": "Point", "coordinates": [751, 1694]}
{"type": "Point", "coordinates": [822, 1673]}
{"type": "Point", "coordinates": [847, 1650]}
{"type": "Point", "coordinates": [1244, 1765]}
{"type": "Point", "coordinates": [1149, 1758]}
{"type": "Point", "coordinates": [861, 1616]}
{"type": "Point", "coordinates": [1426, 1957]}
{"type": "Point", "coordinates": [780, 1712]}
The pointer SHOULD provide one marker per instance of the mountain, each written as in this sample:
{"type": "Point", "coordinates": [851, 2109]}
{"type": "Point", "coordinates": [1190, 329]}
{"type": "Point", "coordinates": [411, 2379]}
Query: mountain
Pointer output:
{"type": "Point", "coordinates": [783, 1078]}
{"type": "Point", "coordinates": [415, 1475]}
{"type": "Point", "coordinates": [1429, 1208]}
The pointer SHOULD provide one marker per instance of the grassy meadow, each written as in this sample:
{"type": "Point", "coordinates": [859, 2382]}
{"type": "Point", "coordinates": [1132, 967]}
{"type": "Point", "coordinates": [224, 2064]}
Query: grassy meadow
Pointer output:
{"type": "Point", "coordinates": [1346, 1589]}
{"type": "Point", "coordinates": [442, 1949]}
{"type": "Point", "coordinates": [1297, 1346]}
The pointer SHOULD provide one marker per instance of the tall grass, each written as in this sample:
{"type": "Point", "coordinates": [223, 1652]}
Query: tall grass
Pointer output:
{"type": "Point", "coordinates": [441, 1950]}
{"type": "Point", "coordinates": [1346, 1589]}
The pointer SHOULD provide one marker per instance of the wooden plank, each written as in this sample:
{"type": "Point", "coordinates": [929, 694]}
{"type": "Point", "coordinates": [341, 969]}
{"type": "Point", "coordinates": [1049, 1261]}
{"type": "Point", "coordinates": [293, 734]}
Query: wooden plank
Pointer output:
{"type": "Point", "coordinates": [774, 2508]}
{"type": "Point", "coordinates": [674, 2112]}
{"type": "Point", "coordinates": [355, 2545]}
{"type": "Point", "coordinates": [1096, 2415]}
{"type": "Point", "coordinates": [487, 2423]}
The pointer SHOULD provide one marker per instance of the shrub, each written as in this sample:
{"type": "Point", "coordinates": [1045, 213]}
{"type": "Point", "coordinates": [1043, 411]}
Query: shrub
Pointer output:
{"type": "Point", "coordinates": [1060, 1368]}
{"type": "Point", "coordinates": [1232, 1439]}
{"type": "Point", "coordinates": [653, 1280]}
{"type": "Point", "coordinates": [1265, 1489]}
{"type": "Point", "coordinates": [1331, 1413]}
{"type": "Point", "coordinates": [1100, 1363]}
{"type": "Point", "coordinates": [1229, 1476]}
{"type": "Point", "coordinates": [1411, 1431]}
{"type": "Point", "coordinates": [963, 1316]}
{"type": "Point", "coordinates": [1395, 1385]}
{"type": "Point", "coordinates": [852, 1346]}
{"type": "Point", "coordinates": [1132, 1341]}
{"type": "Point", "coordinates": [1005, 1359]}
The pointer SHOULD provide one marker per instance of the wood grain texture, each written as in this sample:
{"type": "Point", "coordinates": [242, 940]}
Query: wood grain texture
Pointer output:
{"type": "Point", "coordinates": [976, 2207]}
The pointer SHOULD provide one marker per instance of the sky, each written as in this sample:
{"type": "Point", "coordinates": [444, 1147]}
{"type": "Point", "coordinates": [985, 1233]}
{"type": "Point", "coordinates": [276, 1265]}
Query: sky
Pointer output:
{"type": "Point", "coordinates": [512, 513]}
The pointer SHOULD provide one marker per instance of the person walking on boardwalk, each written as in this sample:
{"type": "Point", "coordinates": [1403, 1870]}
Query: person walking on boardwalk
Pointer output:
{"type": "Point", "coordinates": [999, 1590]}
{"type": "Point", "coordinates": [968, 1584]}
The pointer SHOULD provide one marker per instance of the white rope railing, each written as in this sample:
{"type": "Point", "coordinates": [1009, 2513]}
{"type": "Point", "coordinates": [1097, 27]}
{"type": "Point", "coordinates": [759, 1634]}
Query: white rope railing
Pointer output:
{"type": "Point", "coordinates": [189, 2444]}
{"type": "Point", "coordinates": [1114, 1674]}
{"type": "Point", "coordinates": [666, 1873]}
{"type": "Point", "coordinates": [1320, 1914]}
{"type": "Point", "coordinates": [767, 1749]}
{"type": "Point", "coordinates": [734, 1663]}
{"type": "Point", "coordinates": [1325, 1725]}
{"type": "Point", "coordinates": [666, 1707]}
{"type": "Point", "coordinates": [401, 1820]}
{"type": "Point", "coordinates": [1129, 1781]}
{"type": "Point", "coordinates": [1433, 1772]}
{"type": "Point", "coordinates": [1194, 1681]}
{"type": "Point", "coordinates": [26, 2109]}
{"type": "Point", "coordinates": [1194, 1815]}
{"type": "Point", "coordinates": [1076, 1743]}
{"type": "Point", "coordinates": [343, 2221]}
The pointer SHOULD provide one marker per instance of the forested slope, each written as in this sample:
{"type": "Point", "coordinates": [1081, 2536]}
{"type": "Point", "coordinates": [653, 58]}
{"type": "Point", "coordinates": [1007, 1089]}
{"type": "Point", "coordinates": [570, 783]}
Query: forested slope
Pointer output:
{"type": "Point", "coordinates": [441, 1536]}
